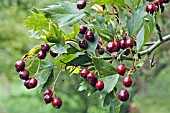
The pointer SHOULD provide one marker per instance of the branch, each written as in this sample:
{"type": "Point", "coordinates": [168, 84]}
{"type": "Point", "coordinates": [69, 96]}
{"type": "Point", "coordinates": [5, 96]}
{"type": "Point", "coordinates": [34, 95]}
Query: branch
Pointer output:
{"type": "Point", "coordinates": [159, 32]}
{"type": "Point", "coordinates": [154, 46]}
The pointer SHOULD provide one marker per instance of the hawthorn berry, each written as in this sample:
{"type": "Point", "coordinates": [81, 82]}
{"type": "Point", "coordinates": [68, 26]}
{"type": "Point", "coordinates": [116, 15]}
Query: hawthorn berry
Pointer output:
{"type": "Point", "coordinates": [99, 85]}
{"type": "Point", "coordinates": [41, 55]}
{"type": "Point", "coordinates": [26, 84]}
{"type": "Point", "coordinates": [20, 65]}
{"type": "Point", "coordinates": [57, 102]}
{"type": "Point", "coordinates": [117, 45]}
{"type": "Point", "coordinates": [45, 47]}
{"type": "Point", "coordinates": [93, 81]}
{"type": "Point", "coordinates": [129, 43]}
{"type": "Point", "coordinates": [83, 29]}
{"type": "Point", "coordinates": [162, 7]}
{"type": "Point", "coordinates": [81, 4]}
{"type": "Point", "coordinates": [127, 81]}
{"type": "Point", "coordinates": [155, 8]}
{"type": "Point", "coordinates": [149, 8]}
{"type": "Point", "coordinates": [121, 69]}
{"type": "Point", "coordinates": [111, 47]}
{"type": "Point", "coordinates": [158, 2]}
{"type": "Point", "coordinates": [89, 36]}
{"type": "Point", "coordinates": [24, 74]}
{"type": "Point", "coordinates": [123, 95]}
{"type": "Point", "coordinates": [101, 51]}
{"type": "Point", "coordinates": [84, 72]}
{"type": "Point", "coordinates": [122, 43]}
{"type": "Point", "coordinates": [166, 1]}
{"type": "Point", "coordinates": [53, 54]}
{"type": "Point", "coordinates": [48, 92]}
{"type": "Point", "coordinates": [91, 76]}
{"type": "Point", "coordinates": [48, 99]}
{"type": "Point", "coordinates": [30, 83]}
{"type": "Point", "coordinates": [83, 44]}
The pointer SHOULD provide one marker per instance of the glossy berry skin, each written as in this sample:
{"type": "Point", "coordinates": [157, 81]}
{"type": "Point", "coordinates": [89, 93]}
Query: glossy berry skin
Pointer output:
{"type": "Point", "coordinates": [26, 84]}
{"type": "Point", "coordinates": [129, 43]}
{"type": "Point", "coordinates": [157, 2]}
{"type": "Point", "coordinates": [121, 69]}
{"type": "Point", "coordinates": [89, 36]}
{"type": "Point", "coordinates": [123, 95]}
{"type": "Point", "coordinates": [45, 47]}
{"type": "Point", "coordinates": [48, 99]}
{"type": "Point", "coordinates": [93, 81]}
{"type": "Point", "coordinates": [48, 92]}
{"type": "Point", "coordinates": [127, 81]}
{"type": "Point", "coordinates": [83, 44]}
{"type": "Point", "coordinates": [122, 43]}
{"type": "Point", "coordinates": [101, 51]}
{"type": "Point", "coordinates": [91, 76]}
{"type": "Point", "coordinates": [20, 65]}
{"type": "Point", "coordinates": [83, 29]}
{"type": "Point", "coordinates": [117, 46]}
{"type": "Point", "coordinates": [41, 55]}
{"type": "Point", "coordinates": [111, 47]}
{"type": "Point", "coordinates": [81, 4]}
{"type": "Point", "coordinates": [24, 74]}
{"type": "Point", "coordinates": [99, 85]}
{"type": "Point", "coordinates": [84, 72]}
{"type": "Point", "coordinates": [57, 102]}
{"type": "Point", "coordinates": [53, 54]}
{"type": "Point", "coordinates": [149, 8]}
{"type": "Point", "coordinates": [155, 8]}
{"type": "Point", "coordinates": [30, 83]}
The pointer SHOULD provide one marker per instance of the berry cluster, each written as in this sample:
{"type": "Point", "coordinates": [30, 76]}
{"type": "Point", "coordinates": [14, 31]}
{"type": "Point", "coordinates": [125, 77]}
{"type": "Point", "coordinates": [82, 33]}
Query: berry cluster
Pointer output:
{"type": "Point", "coordinates": [98, 84]}
{"type": "Point", "coordinates": [56, 102]}
{"type": "Point", "coordinates": [151, 8]}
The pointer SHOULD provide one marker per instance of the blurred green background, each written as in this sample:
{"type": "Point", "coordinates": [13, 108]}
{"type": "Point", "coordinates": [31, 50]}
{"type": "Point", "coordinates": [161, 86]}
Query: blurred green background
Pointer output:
{"type": "Point", "coordinates": [152, 84]}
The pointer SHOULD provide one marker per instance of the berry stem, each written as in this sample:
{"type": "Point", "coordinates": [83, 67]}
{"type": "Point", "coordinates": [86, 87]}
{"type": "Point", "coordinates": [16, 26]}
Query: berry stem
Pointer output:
{"type": "Point", "coordinates": [36, 74]}
{"type": "Point", "coordinates": [53, 85]}
{"type": "Point", "coordinates": [31, 63]}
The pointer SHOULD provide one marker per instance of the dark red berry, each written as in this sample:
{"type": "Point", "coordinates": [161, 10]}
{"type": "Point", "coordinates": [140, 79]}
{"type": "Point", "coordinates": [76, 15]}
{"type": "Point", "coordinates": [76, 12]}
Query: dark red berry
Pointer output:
{"type": "Point", "coordinates": [48, 99]}
{"type": "Point", "coordinates": [83, 44]}
{"type": "Point", "coordinates": [127, 52]}
{"type": "Point", "coordinates": [89, 36]}
{"type": "Point", "coordinates": [123, 95]}
{"type": "Point", "coordinates": [162, 7]}
{"type": "Point", "coordinates": [122, 43]}
{"type": "Point", "coordinates": [111, 47]}
{"type": "Point", "coordinates": [48, 92]}
{"type": "Point", "coordinates": [83, 29]}
{"type": "Point", "coordinates": [117, 45]}
{"type": "Point", "coordinates": [91, 76]}
{"type": "Point", "coordinates": [45, 47]}
{"type": "Point", "coordinates": [121, 69]}
{"type": "Point", "coordinates": [155, 8]}
{"type": "Point", "coordinates": [20, 65]}
{"type": "Point", "coordinates": [127, 81]}
{"type": "Point", "coordinates": [41, 55]}
{"type": "Point", "coordinates": [26, 84]}
{"type": "Point", "coordinates": [101, 51]}
{"type": "Point", "coordinates": [24, 74]}
{"type": "Point", "coordinates": [57, 102]}
{"type": "Point", "coordinates": [32, 83]}
{"type": "Point", "coordinates": [99, 85]}
{"type": "Point", "coordinates": [157, 2]}
{"type": "Point", "coordinates": [81, 4]}
{"type": "Point", "coordinates": [53, 54]}
{"type": "Point", "coordinates": [149, 0]}
{"type": "Point", "coordinates": [93, 81]}
{"type": "Point", "coordinates": [129, 43]}
{"type": "Point", "coordinates": [84, 72]}
{"type": "Point", "coordinates": [166, 1]}
{"type": "Point", "coordinates": [149, 8]}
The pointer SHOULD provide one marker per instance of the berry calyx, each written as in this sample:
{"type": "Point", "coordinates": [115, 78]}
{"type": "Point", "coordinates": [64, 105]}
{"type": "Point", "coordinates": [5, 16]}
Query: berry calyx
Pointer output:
{"type": "Point", "coordinates": [89, 36]}
{"type": "Point", "coordinates": [83, 29]}
{"type": "Point", "coordinates": [20, 65]}
{"type": "Point", "coordinates": [91, 76]}
{"type": "Point", "coordinates": [99, 85]}
{"type": "Point", "coordinates": [83, 44]}
{"type": "Point", "coordinates": [48, 99]}
{"type": "Point", "coordinates": [129, 43]}
{"type": "Point", "coordinates": [41, 55]}
{"type": "Point", "coordinates": [45, 47]}
{"type": "Point", "coordinates": [127, 81]}
{"type": "Point", "coordinates": [122, 43]}
{"type": "Point", "coordinates": [111, 47]}
{"type": "Point", "coordinates": [84, 72]}
{"type": "Point", "coordinates": [53, 54]}
{"type": "Point", "coordinates": [121, 69]}
{"type": "Point", "coordinates": [123, 95]}
{"type": "Point", "coordinates": [57, 102]}
{"type": "Point", "coordinates": [81, 4]}
{"type": "Point", "coordinates": [48, 92]}
{"type": "Point", "coordinates": [24, 74]}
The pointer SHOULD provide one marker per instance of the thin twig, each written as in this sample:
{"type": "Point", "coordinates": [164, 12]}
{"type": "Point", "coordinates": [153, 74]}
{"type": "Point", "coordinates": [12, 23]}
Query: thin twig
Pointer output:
{"type": "Point", "coordinates": [36, 74]}
{"type": "Point", "coordinates": [159, 32]}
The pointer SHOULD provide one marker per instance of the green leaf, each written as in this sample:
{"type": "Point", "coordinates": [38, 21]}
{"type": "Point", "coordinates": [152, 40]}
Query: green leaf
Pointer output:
{"type": "Point", "coordinates": [104, 68]}
{"type": "Point", "coordinates": [119, 2]}
{"type": "Point", "coordinates": [115, 106]}
{"type": "Point", "coordinates": [108, 99]}
{"type": "Point", "coordinates": [37, 22]}
{"type": "Point", "coordinates": [58, 48]}
{"type": "Point", "coordinates": [64, 13]}
{"type": "Point", "coordinates": [84, 85]}
{"type": "Point", "coordinates": [74, 33]}
{"type": "Point", "coordinates": [32, 52]}
{"type": "Point", "coordinates": [110, 82]}
{"type": "Point", "coordinates": [107, 2]}
{"type": "Point", "coordinates": [136, 20]}
{"type": "Point", "coordinates": [140, 38]}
